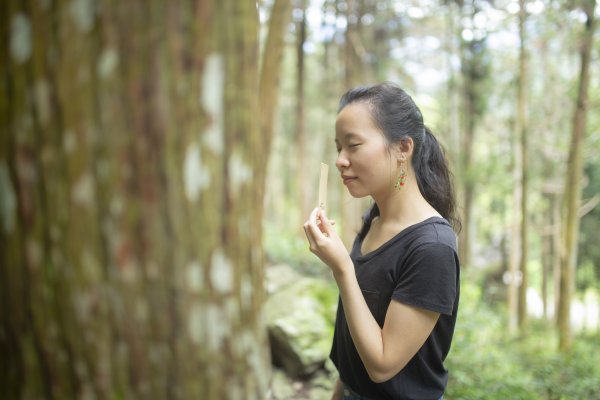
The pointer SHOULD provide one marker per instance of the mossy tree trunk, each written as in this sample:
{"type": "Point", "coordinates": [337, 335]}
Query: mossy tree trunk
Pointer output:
{"type": "Point", "coordinates": [130, 254]}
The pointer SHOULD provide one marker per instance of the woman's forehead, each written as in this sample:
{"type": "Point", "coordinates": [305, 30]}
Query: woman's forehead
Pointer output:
{"type": "Point", "coordinates": [355, 120]}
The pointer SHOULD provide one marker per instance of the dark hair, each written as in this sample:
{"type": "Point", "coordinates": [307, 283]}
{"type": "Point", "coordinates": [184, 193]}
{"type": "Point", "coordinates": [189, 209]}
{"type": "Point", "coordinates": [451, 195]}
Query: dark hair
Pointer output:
{"type": "Point", "coordinates": [398, 117]}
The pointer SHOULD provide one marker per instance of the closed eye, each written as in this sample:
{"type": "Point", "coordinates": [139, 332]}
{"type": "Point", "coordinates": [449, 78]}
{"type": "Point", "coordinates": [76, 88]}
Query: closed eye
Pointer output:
{"type": "Point", "coordinates": [339, 149]}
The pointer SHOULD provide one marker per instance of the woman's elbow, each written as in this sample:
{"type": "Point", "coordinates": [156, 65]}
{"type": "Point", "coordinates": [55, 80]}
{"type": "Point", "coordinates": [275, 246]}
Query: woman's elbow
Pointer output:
{"type": "Point", "coordinates": [380, 376]}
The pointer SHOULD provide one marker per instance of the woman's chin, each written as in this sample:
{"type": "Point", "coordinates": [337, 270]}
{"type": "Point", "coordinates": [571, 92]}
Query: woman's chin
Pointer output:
{"type": "Point", "coordinates": [357, 194]}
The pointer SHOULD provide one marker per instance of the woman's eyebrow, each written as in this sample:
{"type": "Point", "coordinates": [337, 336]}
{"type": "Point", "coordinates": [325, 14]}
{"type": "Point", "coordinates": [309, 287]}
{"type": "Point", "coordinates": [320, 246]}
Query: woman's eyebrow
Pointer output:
{"type": "Point", "coordinates": [347, 136]}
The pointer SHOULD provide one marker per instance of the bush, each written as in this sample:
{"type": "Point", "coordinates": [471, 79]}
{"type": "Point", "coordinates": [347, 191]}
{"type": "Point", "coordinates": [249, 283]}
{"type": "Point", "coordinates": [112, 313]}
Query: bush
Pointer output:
{"type": "Point", "coordinates": [485, 362]}
{"type": "Point", "coordinates": [573, 375]}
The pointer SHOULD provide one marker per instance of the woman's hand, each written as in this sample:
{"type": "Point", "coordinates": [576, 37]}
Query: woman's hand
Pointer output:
{"type": "Point", "coordinates": [325, 243]}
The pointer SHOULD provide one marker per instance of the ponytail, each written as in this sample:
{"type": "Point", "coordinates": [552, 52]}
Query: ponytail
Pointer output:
{"type": "Point", "coordinates": [435, 179]}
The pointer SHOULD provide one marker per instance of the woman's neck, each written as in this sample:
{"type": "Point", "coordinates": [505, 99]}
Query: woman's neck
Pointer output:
{"type": "Point", "coordinates": [405, 207]}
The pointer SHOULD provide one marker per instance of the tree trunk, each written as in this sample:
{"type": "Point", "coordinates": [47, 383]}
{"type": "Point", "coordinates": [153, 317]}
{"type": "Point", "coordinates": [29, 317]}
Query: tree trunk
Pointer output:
{"type": "Point", "coordinates": [452, 109]}
{"type": "Point", "coordinates": [354, 69]}
{"type": "Point", "coordinates": [515, 242]}
{"type": "Point", "coordinates": [522, 129]}
{"type": "Point", "coordinates": [572, 191]}
{"type": "Point", "coordinates": [300, 116]}
{"type": "Point", "coordinates": [281, 12]}
{"type": "Point", "coordinates": [474, 73]}
{"type": "Point", "coordinates": [546, 260]}
{"type": "Point", "coordinates": [556, 254]}
{"type": "Point", "coordinates": [130, 254]}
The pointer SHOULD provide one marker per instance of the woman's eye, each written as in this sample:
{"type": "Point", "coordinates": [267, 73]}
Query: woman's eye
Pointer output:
{"type": "Point", "coordinates": [354, 145]}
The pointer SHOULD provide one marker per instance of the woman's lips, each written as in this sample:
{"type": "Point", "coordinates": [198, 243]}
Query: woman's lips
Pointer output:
{"type": "Point", "coordinates": [348, 179]}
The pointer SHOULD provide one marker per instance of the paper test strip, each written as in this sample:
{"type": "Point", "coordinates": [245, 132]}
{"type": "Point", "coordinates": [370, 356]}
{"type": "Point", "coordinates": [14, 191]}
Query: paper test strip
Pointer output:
{"type": "Point", "coordinates": [323, 186]}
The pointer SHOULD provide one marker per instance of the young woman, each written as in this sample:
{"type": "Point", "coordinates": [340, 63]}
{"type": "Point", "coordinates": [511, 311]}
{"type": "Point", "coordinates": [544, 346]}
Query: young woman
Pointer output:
{"type": "Point", "coordinates": [399, 286]}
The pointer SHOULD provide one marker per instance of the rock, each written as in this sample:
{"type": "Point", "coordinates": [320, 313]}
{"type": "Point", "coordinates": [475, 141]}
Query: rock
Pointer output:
{"type": "Point", "coordinates": [319, 393]}
{"type": "Point", "coordinates": [279, 276]}
{"type": "Point", "coordinates": [300, 319]}
{"type": "Point", "coordinates": [281, 386]}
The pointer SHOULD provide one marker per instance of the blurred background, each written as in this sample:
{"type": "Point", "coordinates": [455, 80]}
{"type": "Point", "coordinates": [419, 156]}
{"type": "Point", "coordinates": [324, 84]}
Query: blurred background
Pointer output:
{"type": "Point", "coordinates": [158, 160]}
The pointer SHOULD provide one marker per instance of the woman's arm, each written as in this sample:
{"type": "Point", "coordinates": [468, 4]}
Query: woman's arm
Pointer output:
{"type": "Point", "coordinates": [338, 391]}
{"type": "Point", "coordinates": [384, 352]}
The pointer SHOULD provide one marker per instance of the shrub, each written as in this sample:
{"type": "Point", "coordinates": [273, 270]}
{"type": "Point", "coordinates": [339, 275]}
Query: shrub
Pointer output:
{"type": "Point", "coordinates": [486, 362]}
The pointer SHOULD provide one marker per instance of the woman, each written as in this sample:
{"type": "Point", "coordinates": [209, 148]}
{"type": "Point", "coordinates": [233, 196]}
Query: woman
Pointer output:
{"type": "Point", "coordinates": [399, 286]}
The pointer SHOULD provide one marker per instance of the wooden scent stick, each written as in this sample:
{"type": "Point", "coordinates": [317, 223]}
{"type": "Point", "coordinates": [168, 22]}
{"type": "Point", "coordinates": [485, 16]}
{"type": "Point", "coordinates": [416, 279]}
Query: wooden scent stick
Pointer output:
{"type": "Point", "coordinates": [323, 186]}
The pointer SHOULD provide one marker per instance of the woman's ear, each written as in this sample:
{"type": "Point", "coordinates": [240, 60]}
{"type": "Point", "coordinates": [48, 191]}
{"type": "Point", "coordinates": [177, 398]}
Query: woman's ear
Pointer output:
{"type": "Point", "coordinates": [408, 145]}
{"type": "Point", "coordinates": [403, 149]}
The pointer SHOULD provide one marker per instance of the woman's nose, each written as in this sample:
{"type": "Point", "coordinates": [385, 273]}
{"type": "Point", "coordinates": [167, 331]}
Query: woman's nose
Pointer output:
{"type": "Point", "coordinates": [342, 161]}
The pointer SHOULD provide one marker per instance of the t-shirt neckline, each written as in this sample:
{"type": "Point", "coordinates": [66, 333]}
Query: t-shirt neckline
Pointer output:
{"type": "Point", "coordinates": [389, 242]}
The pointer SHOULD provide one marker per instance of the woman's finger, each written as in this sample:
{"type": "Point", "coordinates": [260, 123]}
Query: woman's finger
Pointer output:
{"type": "Point", "coordinates": [325, 223]}
{"type": "Point", "coordinates": [309, 236]}
{"type": "Point", "coordinates": [312, 218]}
{"type": "Point", "coordinates": [314, 228]}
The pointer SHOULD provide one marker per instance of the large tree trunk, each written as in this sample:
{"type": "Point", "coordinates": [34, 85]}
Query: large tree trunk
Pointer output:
{"type": "Point", "coordinates": [130, 254]}
{"type": "Point", "coordinates": [572, 191]}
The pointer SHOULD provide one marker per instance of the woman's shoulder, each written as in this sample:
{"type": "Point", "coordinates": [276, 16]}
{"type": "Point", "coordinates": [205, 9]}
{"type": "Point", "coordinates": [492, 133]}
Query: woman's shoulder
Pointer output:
{"type": "Point", "coordinates": [433, 232]}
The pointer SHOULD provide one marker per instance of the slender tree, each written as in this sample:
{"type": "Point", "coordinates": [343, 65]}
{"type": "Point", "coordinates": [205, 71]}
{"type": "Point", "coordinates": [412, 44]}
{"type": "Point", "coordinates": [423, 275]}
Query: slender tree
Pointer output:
{"type": "Point", "coordinates": [573, 179]}
{"type": "Point", "coordinates": [300, 110]}
{"type": "Point", "coordinates": [281, 12]}
{"type": "Point", "coordinates": [515, 240]}
{"type": "Point", "coordinates": [523, 131]}
{"type": "Point", "coordinates": [354, 74]}
{"type": "Point", "coordinates": [474, 73]}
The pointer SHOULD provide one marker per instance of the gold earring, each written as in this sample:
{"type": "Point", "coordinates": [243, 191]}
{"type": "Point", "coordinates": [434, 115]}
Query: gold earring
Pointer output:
{"type": "Point", "coordinates": [401, 177]}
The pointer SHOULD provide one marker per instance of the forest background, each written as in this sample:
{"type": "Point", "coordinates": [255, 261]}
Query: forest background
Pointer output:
{"type": "Point", "coordinates": [158, 158]}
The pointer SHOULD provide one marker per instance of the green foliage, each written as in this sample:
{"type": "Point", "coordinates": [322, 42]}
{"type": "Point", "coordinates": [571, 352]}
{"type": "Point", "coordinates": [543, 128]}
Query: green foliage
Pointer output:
{"type": "Point", "coordinates": [575, 375]}
{"type": "Point", "coordinates": [292, 249]}
{"type": "Point", "coordinates": [486, 362]}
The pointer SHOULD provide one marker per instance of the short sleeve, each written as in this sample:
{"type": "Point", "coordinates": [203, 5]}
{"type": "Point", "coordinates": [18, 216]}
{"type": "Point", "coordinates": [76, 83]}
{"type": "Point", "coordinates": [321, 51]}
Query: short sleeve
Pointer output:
{"type": "Point", "coordinates": [427, 278]}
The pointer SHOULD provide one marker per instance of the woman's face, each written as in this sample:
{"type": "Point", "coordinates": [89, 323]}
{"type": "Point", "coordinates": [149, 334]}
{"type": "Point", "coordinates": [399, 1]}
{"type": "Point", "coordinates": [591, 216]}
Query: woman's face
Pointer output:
{"type": "Point", "coordinates": [364, 160]}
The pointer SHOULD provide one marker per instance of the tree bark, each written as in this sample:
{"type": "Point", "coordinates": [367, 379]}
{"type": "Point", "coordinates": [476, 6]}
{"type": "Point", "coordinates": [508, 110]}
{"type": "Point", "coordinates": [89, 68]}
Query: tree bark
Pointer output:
{"type": "Point", "coordinates": [130, 253]}
{"type": "Point", "coordinates": [572, 191]}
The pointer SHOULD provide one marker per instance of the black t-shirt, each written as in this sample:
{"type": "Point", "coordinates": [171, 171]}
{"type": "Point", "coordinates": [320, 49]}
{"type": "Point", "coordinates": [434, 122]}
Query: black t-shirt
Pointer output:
{"type": "Point", "coordinates": [418, 267]}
